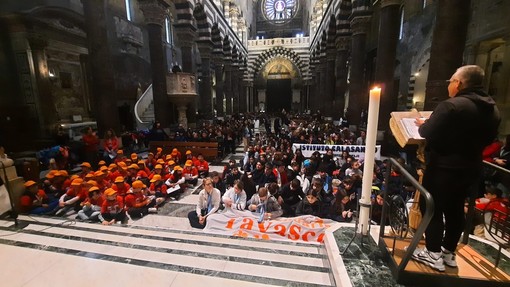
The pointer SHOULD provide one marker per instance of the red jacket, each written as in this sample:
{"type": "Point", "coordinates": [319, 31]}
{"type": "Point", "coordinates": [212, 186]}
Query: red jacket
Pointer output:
{"type": "Point", "coordinates": [113, 206]}
{"type": "Point", "coordinates": [134, 200]}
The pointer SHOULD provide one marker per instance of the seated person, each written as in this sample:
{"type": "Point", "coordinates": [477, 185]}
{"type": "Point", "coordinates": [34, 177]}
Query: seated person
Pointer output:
{"type": "Point", "coordinates": [176, 183]}
{"type": "Point", "coordinates": [235, 197]}
{"type": "Point", "coordinates": [485, 206]}
{"type": "Point", "coordinates": [377, 206]}
{"type": "Point", "coordinates": [232, 177]}
{"type": "Point", "coordinates": [158, 189]}
{"type": "Point", "coordinates": [265, 204]}
{"type": "Point", "coordinates": [289, 196]}
{"type": "Point", "coordinates": [35, 200]}
{"type": "Point", "coordinates": [209, 200]}
{"type": "Point", "coordinates": [202, 165]}
{"type": "Point", "coordinates": [190, 173]}
{"type": "Point", "coordinates": [112, 210]}
{"type": "Point", "coordinates": [342, 208]}
{"type": "Point", "coordinates": [137, 204]}
{"type": "Point", "coordinates": [91, 206]}
{"type": "Point", "coordinates": [310, 205]}
{"type": "Point", "coordinates": [71, 199]}
{"type": "Point", "coordinates": [218, 182]}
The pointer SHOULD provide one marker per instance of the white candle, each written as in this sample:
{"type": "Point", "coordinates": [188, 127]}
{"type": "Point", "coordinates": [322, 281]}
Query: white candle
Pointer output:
{"type": "Point", "coordinates": [368, 166]}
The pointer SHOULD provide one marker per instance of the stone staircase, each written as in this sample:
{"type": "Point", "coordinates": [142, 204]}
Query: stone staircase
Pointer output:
{"type": "Point", "coordinates": [60, 250]}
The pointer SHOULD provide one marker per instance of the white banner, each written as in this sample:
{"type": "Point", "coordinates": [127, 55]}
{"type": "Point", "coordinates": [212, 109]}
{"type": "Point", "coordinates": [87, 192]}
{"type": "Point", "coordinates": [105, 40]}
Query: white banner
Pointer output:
{"type": "Point", "coordinates": [357, 151]}
{"type": "Point", "coordinates": [305, 228]}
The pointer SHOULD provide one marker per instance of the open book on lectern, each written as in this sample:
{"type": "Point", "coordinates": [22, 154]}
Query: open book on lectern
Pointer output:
{"type": "Point", "coordinates": [403, 126]}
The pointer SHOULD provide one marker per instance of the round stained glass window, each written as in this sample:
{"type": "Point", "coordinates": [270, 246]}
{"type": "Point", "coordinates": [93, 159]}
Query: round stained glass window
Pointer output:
{"type": "Point", "coordinates": [279, 10]}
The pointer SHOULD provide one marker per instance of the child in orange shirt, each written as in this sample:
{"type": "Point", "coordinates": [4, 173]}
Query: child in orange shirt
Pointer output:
{"type": "Point", "coordinates": [35, 200]}
{"type": "Point", "coordinates": [91, 207]}
{"type": "Point", "coordinates": [112, 210]}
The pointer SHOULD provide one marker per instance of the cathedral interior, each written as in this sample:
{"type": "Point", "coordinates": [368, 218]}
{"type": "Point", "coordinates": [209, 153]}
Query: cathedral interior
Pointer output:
{"type": "Point", "coordinates": [67, 62]}
{"type": "Point", "coordinates": [126, 64]}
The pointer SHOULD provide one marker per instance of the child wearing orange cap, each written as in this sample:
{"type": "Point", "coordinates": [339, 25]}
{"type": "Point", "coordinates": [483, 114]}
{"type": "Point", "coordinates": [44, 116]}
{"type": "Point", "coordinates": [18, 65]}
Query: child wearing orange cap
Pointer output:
{"type": "Point", "coordinates": [112, 210]}
{"type": "Point", "coordinates": [91, 207]}
{"type": "Point", "coordinates": [137, 204]}
{"type": "Point", "coordinates": [121, 186]}
{"type": "Point", "coordinates": [176, 155]}
{"type": "Point", "coordinates": [150, 162]}
{"type": "Point", "coordinates": [72, 198]}
{"type": "Point", "coordinates": [176, 182]}
{"type": "Point", "coordinates": [190, 173]}
{"type": "Point", "coordinates": [35, 200]}
{"type": "Point", "coordinates": [158, 188]}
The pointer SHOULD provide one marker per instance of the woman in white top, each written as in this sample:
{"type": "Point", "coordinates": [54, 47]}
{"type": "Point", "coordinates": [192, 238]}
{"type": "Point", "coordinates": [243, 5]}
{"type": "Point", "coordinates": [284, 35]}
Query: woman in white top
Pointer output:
{"type": "Point", "coordinates": [208, 203]}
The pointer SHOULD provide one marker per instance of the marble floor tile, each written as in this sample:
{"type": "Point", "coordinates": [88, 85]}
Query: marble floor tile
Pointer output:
{"type": "Point", "coordinates": [100, 273]}
{"type": "Point", "coordinates": [186, 279]}
{"type": "Point", "coordinates": [20, 265]}
{"type": "Point", "coordinates": [279, 273]}
{"type": "Point", "coordinates": [155, 220]}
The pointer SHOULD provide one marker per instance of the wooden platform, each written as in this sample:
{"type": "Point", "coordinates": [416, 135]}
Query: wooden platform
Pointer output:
{"type": "Point", "coordinates": [473, 270]}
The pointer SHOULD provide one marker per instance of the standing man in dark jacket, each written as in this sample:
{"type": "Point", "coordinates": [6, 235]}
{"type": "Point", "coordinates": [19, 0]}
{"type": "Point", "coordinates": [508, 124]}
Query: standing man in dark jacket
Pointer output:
{"type": "Point", "coordinates": [456, 133]}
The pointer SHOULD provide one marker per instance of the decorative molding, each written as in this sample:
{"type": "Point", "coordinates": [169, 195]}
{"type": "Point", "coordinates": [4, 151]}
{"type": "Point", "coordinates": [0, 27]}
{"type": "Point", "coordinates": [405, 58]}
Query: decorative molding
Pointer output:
{"type": "Point", "coordinates": [343, 43]}
{"type": "Point", "coordinates": [154, 11]}
{"type": "Point", "coordinates": [360, 24]}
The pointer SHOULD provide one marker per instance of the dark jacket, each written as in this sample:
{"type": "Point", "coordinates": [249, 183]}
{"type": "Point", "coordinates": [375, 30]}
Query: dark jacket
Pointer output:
{"type": "Point", "coordinates": [459, 129]}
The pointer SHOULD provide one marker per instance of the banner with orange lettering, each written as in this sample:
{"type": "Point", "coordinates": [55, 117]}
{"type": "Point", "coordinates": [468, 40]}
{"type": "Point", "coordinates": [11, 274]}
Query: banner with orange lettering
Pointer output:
{"type": "Point", "coordinates": [305, 228]}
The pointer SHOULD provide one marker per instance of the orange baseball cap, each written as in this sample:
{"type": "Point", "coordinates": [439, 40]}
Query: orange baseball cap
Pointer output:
{"type": "Point", "coordinates": [90, 175]}
{"type": "Point", "coordinates": [77, 182]}
{"type": "Point", "coordinates": [156, 177]}
{"type": "Point", "coordinates": [92, 182]}
{"type": "Point", "coordinates": [178, 167]}
{"type": "Point", "coordinates": [159, 149]}
{"type": "Point", "coordinates": [119, 179]}
{"type": "Point", "coordinates": [137, 184]}
{"type": "Point", "coordinates": [189, 163]}
{"type": "Point", "coordinates": [94, 188]}
{"type": "Point", "coordinates": [85, 164]}
{"type": "Point", "coordinates": [188, 152]}
{"type": "Point", "coordinates": [158, 166]}
{"type": "Point", "coordinates": [98, 173]}
{"type": "Point", "coordinates": [29, 183]}
{"type": "Point", "coordinates": [134, 155]}
{"type": "Point", "coordinates": [101, 162]}
{"type": "Point", "coordinates": [171, 162]}
{"type": "Point", "coordinates": [134, 166]}
{"type": "Point", "coordinates": [110, 192]}
{"type": "Point", "coordinates": [120, 151]}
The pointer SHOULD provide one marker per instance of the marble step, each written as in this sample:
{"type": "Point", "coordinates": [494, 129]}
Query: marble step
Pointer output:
{"type": "Point", "coordinates": [193, 252]}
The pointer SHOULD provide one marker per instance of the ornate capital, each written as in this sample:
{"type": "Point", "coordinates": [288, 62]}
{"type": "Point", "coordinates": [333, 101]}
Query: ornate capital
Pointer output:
{"type": "Point", "coordinates": [343, 43]}
{"type": "Point", "coordinates": [154, 11]}
{"type": "Point", "coordinates": [37, 42]}
{"type": "Point", "coordinates": [360, 24]}
{"type": "Point", "coordinates": [385, 3]}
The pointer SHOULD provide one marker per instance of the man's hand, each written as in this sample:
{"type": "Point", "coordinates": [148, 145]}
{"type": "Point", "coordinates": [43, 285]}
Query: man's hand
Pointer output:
{"type": "Point", "coordinates": [419, 121]}
{"type": "Point", "coordinates": [253, 207]}
{"type": "Point", "coordinates": [280, 200]}
{"type": "Point", "coordinates": [201, 219]}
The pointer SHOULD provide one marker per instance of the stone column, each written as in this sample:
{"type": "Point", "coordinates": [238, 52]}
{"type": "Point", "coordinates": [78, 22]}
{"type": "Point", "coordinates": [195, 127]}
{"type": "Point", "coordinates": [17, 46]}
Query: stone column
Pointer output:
{"type": "Point", "coordinates": [323, 86]}
{"type": "Point", "coordinates": [235, 86]}
{"type": "Point", "coordinates": [446, 52]}
{"type": "Point", "coordinates": [330, 84]}
{"type": "Point", "coordinates": [187, 35]}
{"type": "Point", "coordinates": [360, 25]}
{"type": "Point", "coordinates": [48, 117]}
{"type": "Point", "coordinates": [218, 74]}
{"type": "Point", "coordinates": [101, 67]}
{"type": "Point", "coordinates": [205, 92]}
{"type": "Point", "coordinates": [227, 88]}
{"type": "Point", "coordinates": [341, 71]}
{"type": "Point", "coordinates": [389, 24]}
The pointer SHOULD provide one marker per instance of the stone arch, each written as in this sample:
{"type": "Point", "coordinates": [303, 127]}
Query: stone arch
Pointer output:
{"type": "Point", "coordinates": [227, 50]}
{"type": "Point", "coordinates": [217, 41]}
{"type": "Point", "coordinates": [74, 18]}
{"type": "Point", "coordinates": [265, 56]}
{"type": "Point", "coordinates": [184, 11]}
{"type": "Point", "coordinates": [204, 29]}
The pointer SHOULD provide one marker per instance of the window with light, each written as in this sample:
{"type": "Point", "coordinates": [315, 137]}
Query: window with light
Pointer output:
{"type": "Point", "coordinates": [279, 10]}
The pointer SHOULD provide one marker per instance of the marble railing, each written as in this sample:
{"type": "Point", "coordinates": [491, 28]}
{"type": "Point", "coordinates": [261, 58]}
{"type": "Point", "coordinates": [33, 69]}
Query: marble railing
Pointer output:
{"type": "Point", "coordinates": [265, 43]}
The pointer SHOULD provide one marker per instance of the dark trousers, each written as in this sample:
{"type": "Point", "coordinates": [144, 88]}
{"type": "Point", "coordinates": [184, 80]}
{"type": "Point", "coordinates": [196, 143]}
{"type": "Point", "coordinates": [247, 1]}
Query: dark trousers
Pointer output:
{"type": "Point", "coordinates": [449, 189]}
{"type": "Point", "coordinates": [193, 220]}
{"type": "Point", "coordinates": [121, 216]}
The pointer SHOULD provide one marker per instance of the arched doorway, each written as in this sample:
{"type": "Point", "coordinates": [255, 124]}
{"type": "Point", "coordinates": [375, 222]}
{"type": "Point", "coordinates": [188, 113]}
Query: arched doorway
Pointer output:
{"type": "Point", "coordinates": [280, 75]}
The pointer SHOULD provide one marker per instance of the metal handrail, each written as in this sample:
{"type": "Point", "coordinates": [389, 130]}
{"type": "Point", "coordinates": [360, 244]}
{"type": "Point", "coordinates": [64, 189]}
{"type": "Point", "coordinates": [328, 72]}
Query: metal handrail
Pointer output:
{"type": "Point", "coordinates": [142, 104]}
{"type": "Point", "coordinates": [429, 212]}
